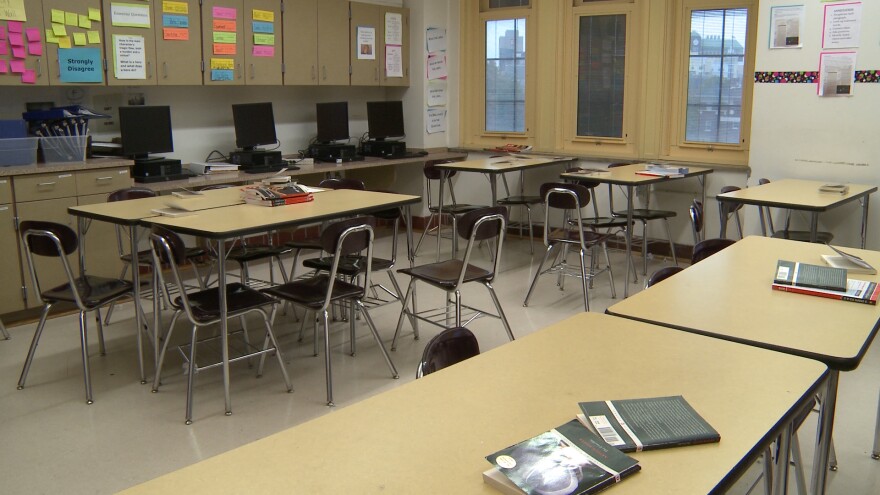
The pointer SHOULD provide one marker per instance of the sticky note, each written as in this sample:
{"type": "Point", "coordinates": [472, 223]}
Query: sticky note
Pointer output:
{"type": "Point", "coordinates": [175, 7]}
{"type": "Point", "coordinates": [64, 42]}
{"type": "Point", "coordinates": [177, 34]}
{"type": "Point", "coordinates": [79, 39]}
{"type": "Point", "coordinates": [175, 21]}
{"type": "Point", "coordinates": [224, 25]}
{"type": "Point", "coordinates": [264, 39]}
{"type": "Point", "coordinates": [222, 63]}
{"type": "Point", "coordinates": [264, 51]}
{"type": "Point", "coordinates": [59, 29]}
{"type": "Point", "coordinates": [225, 37]}
{"type": "Point", "coordinates": [71, 19]}
{"type": "Point", "coordinates": [94, 37]}
{"type": "Point", "coordinates": [224, 49]}
{"type": "Point", "coordinates": [221, 75]}
{"type": "Point", "coordinates": [224, 13]}
{"type": "Point", "coordinates": [16, 39]}
{"type": "Point", "coordinates": [33, 34]}
{"type": "Point", "coordinates": [263, 15]}
{"type": "Point", "coordinates": [29, 76]}
{"type": "Point", "coordinates": [58, 16]}
{"type": "Point", "coordinates": [94, 15]}
{"type": "Point", "coordinates": [16, 66]}
{"type": "Point", "coordinates": [263, 27]}
{"type": "Point", "coordinates": [4, 68]}
{"type": "Point", "coordinates": [2, 32]}
{"type": "Point", "coordinates": [18, 52]}
{"type": "Point", "coordinates": [35, 48]}
{"type": "Point", "coordinates": [85, 22]}
{"type": "Point", "coordinates": [50, 37]}
{"type": "Point", "coordinates": [4, 48]}
{"type": "Point", "coordinates": [15, 26]}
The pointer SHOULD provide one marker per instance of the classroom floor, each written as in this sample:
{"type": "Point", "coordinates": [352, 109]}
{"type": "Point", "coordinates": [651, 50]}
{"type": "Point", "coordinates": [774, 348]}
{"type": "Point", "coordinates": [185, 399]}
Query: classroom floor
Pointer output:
{"type": "Point", "coordinates": [52, 442]}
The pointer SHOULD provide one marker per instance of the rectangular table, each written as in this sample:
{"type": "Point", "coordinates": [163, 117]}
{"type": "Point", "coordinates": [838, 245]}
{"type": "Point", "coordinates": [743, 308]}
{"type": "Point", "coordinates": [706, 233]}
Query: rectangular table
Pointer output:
{"type": "Point", "coordinates": [728, 296]}
{"type": "Point", "coordinates": [798, 194]}
{"type": "Point", "coordinates": [431, 435]}
{"type": "Point", "coordinates": [627, 176]}
{"type": "Point", "coordinates": [492, 167]}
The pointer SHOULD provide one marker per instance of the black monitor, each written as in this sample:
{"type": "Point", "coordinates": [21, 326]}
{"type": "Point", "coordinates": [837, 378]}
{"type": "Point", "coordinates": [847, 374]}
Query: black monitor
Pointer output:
{"type": "Point", "coordinates": [385, 119]}
{"type": "Point", "coordinates": [332, 121]}
{"type": "Point", "coordinates": [254, 125]}
{"type": "Point", "coordinates": [145, 130]}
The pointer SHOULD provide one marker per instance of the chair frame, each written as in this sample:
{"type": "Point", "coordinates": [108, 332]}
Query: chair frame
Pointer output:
{"type": "Point", "coordinates": [726, 210]}
{"type": "Point", "coordinates": [454, 209]}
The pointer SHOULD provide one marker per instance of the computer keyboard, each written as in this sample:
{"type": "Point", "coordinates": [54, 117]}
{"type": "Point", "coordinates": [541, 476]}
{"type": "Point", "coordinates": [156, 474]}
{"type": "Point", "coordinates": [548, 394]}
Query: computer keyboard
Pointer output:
{"type": "Point", "coordinates": [402, 156]}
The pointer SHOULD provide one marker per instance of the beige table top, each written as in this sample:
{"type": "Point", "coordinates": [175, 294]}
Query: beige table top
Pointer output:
{"type": "Point", "coordinates": [432, 435]}
{"type": "Point", "coordinates": [626, 175]}
{"type": "Point", "coordinates": [507, 163]}
{"type": "Point", "coordinates": [131, 211]}
{"type": "Point", "coordinates": [796, 193]}
{"type": "Point", "coordinates": [728, 296]}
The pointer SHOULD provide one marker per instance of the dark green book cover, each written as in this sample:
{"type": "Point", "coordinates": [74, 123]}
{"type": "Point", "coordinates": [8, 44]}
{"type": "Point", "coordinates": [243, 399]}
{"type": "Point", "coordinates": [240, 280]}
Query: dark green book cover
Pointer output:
{"type": "Point", "coordinates": [807, 275]}
{"type": "Point", "coordinates": [569, 459]}
{"type": "Point", "coordinates": [643, 424]}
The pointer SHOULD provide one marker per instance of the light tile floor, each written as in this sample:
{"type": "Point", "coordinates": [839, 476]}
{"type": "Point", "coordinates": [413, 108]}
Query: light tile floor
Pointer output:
{"type": "Point", "coordinates": [52, 442]}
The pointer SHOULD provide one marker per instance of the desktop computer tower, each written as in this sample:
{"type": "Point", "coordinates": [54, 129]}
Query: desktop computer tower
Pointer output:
{"type": "Point", "coordinates": [333, 152]}
{"type": "Point", "coordinates": [255, 158]}
{"type": "Point", "coordinates": [384, 148]}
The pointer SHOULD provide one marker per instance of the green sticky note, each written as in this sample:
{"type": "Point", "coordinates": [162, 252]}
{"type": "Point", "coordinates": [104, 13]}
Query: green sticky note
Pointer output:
{"type": "Point", "coordinates": [71, 19]}
{"type": "Point", "coordinates": [79, 39]}
{"type": "Point", "coordinates": [50, 37]}
{"type": "Point", "coordinates": [58, 16]}
{"type": "Point", "coordinates": [264, 39]}
{"type": "Point", "coordinates": [95, 14]}
{"type": "Point", "coordinates": [221, 37]}
{"type": "Point", "coordinates": [85, 22]}
{"type": "Point", "coordinates": [94, 37]}
{"type": "Point", "coordinates": [59, 29]}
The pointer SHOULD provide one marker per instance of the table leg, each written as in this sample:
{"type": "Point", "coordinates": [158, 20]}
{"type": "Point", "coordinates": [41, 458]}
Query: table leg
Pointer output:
{"type": "Point", "coordinates": [410, 252]}
{"type": "Point", "coordinates": [814, 226]}
{"type": "Point", "coordinates": [780, 477]}
{"type": "Point", "coordinates": [493, 186]}
{"type": "Point", "coordinates": [629, 222]}
{"type": "Point", "coordinates": [823, 437]}
{"type": "Point", "coordinates": [224, 324]}
{"type": "Point", "coordinates": [136, 295]}
{"type": "Point", "coordinates": [875, 453]}
{"type": "Point", "coordinates": [864, 220]}
{"type": "Point", "coordinates": [440, 217]}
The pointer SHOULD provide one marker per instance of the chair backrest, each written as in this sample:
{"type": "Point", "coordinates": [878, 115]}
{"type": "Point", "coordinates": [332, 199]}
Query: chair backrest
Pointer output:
{"type": "Point", "coordinates": [342, 183]}
{"type": "Point", "coordinates": [131, 193]}
{"type": "Point", "coordinates": [168, 250]}
{"type": "Point", "coordinates": [51, 240]}
{"type": "Point", "coordinates": [481, 225]}
{"type": "Point", "coordinates": [696, 214]}
{"type": "Point", "coordinates": [433, 173]}
{"type": "Point", "coordinates": [449, 347]}
{"type": "Point", "coordinates": [764, 211]}
{"type": "Point", "coordinates": [569, 198]}
{"type": "Point", "coordinates": [611, 187]}
{"type": "Point", "coordinates": [704, 249]}
{"type": "Point", "coordinates": [662, 274]}
{"type": "Point", "coordinates": [349, 236]}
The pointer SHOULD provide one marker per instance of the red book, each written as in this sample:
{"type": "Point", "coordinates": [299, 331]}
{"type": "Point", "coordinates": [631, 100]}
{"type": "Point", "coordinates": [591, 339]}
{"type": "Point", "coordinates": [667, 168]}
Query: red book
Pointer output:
{"type": "Point", "coordinates": [859, 291]}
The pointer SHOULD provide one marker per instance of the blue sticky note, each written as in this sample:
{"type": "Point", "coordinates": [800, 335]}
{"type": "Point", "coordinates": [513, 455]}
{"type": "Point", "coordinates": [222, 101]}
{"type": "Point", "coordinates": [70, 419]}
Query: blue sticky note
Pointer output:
{"type": "Point", "coordinates": [264, 27]}
{"type": "Point", "coordinates": [221, 74]}
{"type": "Point", "coordinates": [80, 65]}
{"type": "Point", "coordinates": [174, 20]}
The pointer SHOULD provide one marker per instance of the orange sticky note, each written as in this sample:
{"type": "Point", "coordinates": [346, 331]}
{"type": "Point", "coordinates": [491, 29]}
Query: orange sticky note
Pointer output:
{"type": "Point", "coordinates": [176, 34]}
{"type": "Point", "coordinates": [224, 25]}
{"type": "Point", "coordinates": [224, 49]}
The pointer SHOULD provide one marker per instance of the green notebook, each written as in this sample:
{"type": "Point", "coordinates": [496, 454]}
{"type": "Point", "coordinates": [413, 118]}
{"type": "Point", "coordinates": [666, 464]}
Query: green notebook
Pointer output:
{"type": "Point", "coordinates": [806, 275]}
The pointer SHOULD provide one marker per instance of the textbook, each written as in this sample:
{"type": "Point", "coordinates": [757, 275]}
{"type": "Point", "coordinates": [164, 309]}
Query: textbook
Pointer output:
{"type": "Point", "coordinates": [813, 276]}
{"type": "Point", "coordinates": [287, 194]}
{"type": "Point", "coordinates": [834, 188]}
{"type": "Point", "coordinates": [634, 425]}
{"type": "Point", "coordinates": [859, 291]}
{"type": "Point", "coordinates": [849, 262]}
{"type": "Point", "coordinates": [663, 171]}
{"type": "Point", "coordinates": [569, 459]}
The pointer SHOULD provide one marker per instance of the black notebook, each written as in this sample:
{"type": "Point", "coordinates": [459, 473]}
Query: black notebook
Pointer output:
{"type": "Point", "coordinates": [807, 275]}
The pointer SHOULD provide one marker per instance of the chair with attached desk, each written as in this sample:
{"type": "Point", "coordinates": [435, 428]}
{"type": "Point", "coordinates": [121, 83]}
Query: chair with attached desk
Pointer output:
{"type": "Point", "coordinates": [448, 347]}
{"type": "Point", "coordinates": [454, 209]}
{"type": "Point", "coordinates": [766, 215]}
{"type": "Point", "coordinates": [87, 292]}
{"type": "Point", "coordinates": [202, 309]}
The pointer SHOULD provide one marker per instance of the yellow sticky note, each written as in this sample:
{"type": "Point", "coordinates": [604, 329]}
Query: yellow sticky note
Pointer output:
{"type": "Point", "coordinates": [50, 37]}
{"type": "Point", "coordinates": [79, 39]}
{"type": "Point", "coordinates": [64, 42]}
{"type": "Point", "coordinates": [71, 19]}
{"type": "Point", "coordinates": [170, 7]}
{"type": "Point", "coordinates": [58, 16]}
{"type": "Point", "coordinates": [85, 22]}
{"type": "Point", "coordinates": [59, 29]}
{"type": "Point", "coordinates": [222, 63]}
{"type": "Point", "coordinates": [263, 15]}
{"type": "Point", "coordinates": [94, 37]}
{"type": "Point", "coordinates": [95, 14]}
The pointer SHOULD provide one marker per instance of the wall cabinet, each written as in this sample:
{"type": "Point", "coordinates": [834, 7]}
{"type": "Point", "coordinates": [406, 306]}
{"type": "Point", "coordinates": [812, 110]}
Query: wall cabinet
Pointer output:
{"type": "Point", "coordinates": [130, 51]}
{"type": "Point", "coordinates": [76, 35]}
{"type": "Point", "coordinates": [32, 62]}
{"type": "Point", "coordinates": [178, 34]}
{"type": "Point", "coordinates": [262, 42]}
{"type": "Point", "coordinates": [364, 33]}
{"type": "Point", "coordinates": [316, 42]}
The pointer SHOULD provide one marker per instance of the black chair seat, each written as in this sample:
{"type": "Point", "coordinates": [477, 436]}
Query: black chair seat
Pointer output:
{"type": "Point", "coordinates": [803, 236]}
{"type": "Point", "coordinates": [350, 265]}
{"type": "Point", "coordinates": [94, 291]}
{"type": "Point", "coordinates": [205, 303]}
{"type": "Point", "coordinates": [245, 254]}
{"type": "Point", "coordinates": [458, 209]}
{"type": "Point", "coordinates": [445, 273]}
{"type": "Point", "coordinates": [573, 237]}
{"type": "Point", "coordinates": [520, 200]}
{"type": "Point", "coordinates": [314, 243]}
{"type": "Point", "coordinates": [646, 214]}
{"type": "Point", "coordinates": [312, 292]}
{"type": "Point", "coordinates": [604, 223]}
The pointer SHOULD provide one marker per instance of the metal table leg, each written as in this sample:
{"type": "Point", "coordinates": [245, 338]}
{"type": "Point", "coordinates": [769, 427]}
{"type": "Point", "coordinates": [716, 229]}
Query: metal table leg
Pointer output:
{"type": "Point", "coordinates": [629, 222]}
{"type": "Point", "coordinates": [823, 437]}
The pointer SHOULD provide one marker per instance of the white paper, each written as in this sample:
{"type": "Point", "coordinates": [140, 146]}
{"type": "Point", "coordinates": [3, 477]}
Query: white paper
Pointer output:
{"type": "Point", "coordinates": [393, 61]}
{"type": "Point", "coordinates": [393, 28]}
{"type": "Point", "coordinates": [131, 15]}
{"type": "Point", "coordinates": [437, 93]}
{"type": "Point", "coordinates": [436, 65]}
{"type": "Point", "coordinates": [436, 39]}
{"type": "Point", "coordinates": [836, 73]}
{"type": "Point", "coordinates": [366, 43]}
{"type": "Point", "coordinates": [842, 25]}
{"type": "Point", "coordinates": [435, 120]}
{"type": "Point", "coordinates": [129, 57]}
{"type": "Point", "coordinates": [785, 26]}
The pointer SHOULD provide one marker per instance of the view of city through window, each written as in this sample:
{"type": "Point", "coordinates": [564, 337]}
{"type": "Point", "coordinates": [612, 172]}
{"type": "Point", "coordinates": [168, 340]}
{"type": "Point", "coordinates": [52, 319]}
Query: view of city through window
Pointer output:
{"type": "Point", "coordinates": [716, 71]}
{"type": "Point", "coordinates": [601, 63]}
{"type": "Point", "coordinates": [506, 75]}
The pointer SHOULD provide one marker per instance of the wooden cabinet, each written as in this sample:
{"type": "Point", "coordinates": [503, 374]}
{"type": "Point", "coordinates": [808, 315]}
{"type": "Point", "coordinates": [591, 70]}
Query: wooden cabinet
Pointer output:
{"type": "Point", "coordinates": [389, 25]}
{"type": "Point", "coordinates": [364, 38]}
{"type": "Point", "coordinates": [262, 42]}
{"type": "Point", "coordinates": [130, 44]}
{"type": "Point", "coordinates": [35, 62]}
{"type": "Point", "coordinates": [316, 42]}
{"type": "Point", "coordinates": [77, 36]}
{"type": "Point", "coordinates": [222, 42]}
{"type": "Point", "coordinates": [178, 33]}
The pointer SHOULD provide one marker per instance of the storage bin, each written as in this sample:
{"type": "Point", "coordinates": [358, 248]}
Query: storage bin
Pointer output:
{"type": "Point", "coordinates": [64, 148]}
{"type": "Point", "coordinates": [18, 151]}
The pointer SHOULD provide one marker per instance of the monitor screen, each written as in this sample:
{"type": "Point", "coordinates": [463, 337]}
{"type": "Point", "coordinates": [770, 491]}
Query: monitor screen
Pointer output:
{"type": "Point", "coordinates": [385, 119]}
{"type": "Point", "coordinates": [145, 130]}
{"type": "Point", "coordinates": [332, 121]}
{"type": "Point", "coordinates": [254, 125]}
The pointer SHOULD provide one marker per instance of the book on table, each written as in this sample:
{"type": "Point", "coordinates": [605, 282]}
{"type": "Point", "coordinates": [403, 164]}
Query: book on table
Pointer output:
{"type": "Point", "coordinates": [657, 170]}
{"type": "Point", "coordinates": [834, 188]}
{"type": "Point", "coordinates": [798, 274]}
{"type": "Point", "coordinates": [860, 291]}
{"type": "Point", "coordinates": [275, 195]}
{"type": "Point", "coordinates": [848, 261]}
{"type": "Point", "coordinates": [569, 459]}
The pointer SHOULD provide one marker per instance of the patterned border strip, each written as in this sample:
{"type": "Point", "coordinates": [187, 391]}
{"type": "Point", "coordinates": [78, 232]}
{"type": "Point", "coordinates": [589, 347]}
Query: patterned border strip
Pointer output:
{"type": "Point", "coordinates": [861, 76]}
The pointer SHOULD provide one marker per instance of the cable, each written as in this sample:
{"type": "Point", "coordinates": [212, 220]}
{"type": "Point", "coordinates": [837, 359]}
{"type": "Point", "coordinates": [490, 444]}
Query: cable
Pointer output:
{"type": "Point", "coordinates": [221, 158]}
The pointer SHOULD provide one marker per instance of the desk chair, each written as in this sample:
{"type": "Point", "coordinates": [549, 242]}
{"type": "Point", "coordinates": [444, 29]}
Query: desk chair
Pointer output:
{"type": "Point", "coordinates": [727, 210]}
{"type": "Point", "coordinates": [202, 310]}
{"type": "Point", "coordinates": [695, 210]}
{"type": "Point", "coordinates": [708, 247]}
{"type": "Point", "coordinates": [569, 199]}
{"type": "Point", "coordinates": [451, 275]}
{"type": "Point", "coordinates": [524, 201]}
{"type": "Point", "coordinates": [87, 292]}
{"type": "Point", "coordinates": [786, 232]}
{"type": "Point", "coordinates": [449, 347]}
{"type": "Point", "coordinates": [454, 209]}
{"type": "Point", "coordinates": [3, 331]}
{"type": "Point", "coordinates": [317, 293]}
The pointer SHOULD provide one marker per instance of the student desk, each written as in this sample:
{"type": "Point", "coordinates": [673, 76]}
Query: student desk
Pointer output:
{"type": "Point", "coordinates": [628, 177]}
{"type": "Point", "coordinates": [728, 296]}
{"type": "Point", "coordinates": [432, 435]}
{"type": "Point", "coordinates": [225, 223]}
{"type": "Point", "coordinates": [803, 195]}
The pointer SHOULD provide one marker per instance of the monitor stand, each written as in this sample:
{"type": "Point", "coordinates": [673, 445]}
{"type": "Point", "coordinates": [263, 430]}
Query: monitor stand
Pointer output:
{"type": "Point", "coordinates": [255, 158]}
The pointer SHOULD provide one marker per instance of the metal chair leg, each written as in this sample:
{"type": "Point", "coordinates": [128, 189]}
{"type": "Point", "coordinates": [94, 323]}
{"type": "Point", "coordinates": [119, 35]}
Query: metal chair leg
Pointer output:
{"type": "Point", "coordinates": [671, 244]}
{"type": "Point", "coordinates": [537, 274]}
{"type": "Point", "coordinates": [327, 370]}
{"type": "Point", "coordinates": [3, 331]}
{"type": "Point", "coordinates": [369, 320]}
{"type": "Point", "coordinates": [584, 281]}
{"type": "Point", "coordinates": [501, 314]}
{"type": "Point", "coordinates": [190, 375]}
{"type": "Point", "coordinates": [33, 348]}
{"type": "Point", "coordinates": [403, 313]}
{"type": "Point", "coordinates": [84, 341]}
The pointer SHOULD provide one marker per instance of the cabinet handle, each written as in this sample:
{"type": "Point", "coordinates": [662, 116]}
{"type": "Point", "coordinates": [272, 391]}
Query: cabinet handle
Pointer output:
{"type": "Point", "coordinates": [238, 69]}
{"type": "Point", "coordinates": [313, 73]}
{"type": "Point", "coordinates": [252, 71]}
{"type": "Point", "coordinates": [46, 184]}
{"type": "Point", "coordinates": [376, 74]}
{"type": "Point", "coordinates": [103, 178]}
{"type": "Point", "coordinates": [149, 69]}
{"type": "Point", "coordinates": [164, 70]}
{"type": "Point", "coordinates": [324, 71]}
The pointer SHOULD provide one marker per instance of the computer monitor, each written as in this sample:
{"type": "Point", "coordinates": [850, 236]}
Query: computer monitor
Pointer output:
{"type": "Point", "coordinates": [385, 119]}
{"type": "Point", "coordinates": [254, 125]}
{"type": "Point", "coordinates": [145, 130]}
{"type": "Point", "coordinates": [332, 119]}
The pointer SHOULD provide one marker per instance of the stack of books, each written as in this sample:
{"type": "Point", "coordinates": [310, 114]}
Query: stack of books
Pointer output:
{"type": "Point", "coordinates": [658, 170]}
{"type": "Point", "coordinates": [823, 281]}
{"type": "Point", "coordinates": [275, 195]}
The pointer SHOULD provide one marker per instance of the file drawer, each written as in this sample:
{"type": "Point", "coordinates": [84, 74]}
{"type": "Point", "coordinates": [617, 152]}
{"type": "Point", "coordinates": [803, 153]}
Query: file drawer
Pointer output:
{"type": "Point", "coordinates": [44, 186]}
{"type": "Point", "coordinates": [102, 181]}
{"type": "Point", "coordinates": [5, 190]}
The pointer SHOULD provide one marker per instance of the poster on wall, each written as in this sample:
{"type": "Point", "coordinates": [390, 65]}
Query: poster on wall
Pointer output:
{"type": "Point", "coordinates": [785, 26]}
{"type": "Point", "coordinates": [366, 43]}
{"type": "Point", "coordinates": [842, 25]}
{"type": "Point", "coordinates": [836, 73]}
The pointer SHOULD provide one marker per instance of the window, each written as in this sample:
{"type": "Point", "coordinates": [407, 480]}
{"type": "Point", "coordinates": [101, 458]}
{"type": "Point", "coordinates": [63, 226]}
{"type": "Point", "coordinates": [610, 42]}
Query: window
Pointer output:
{"type": "Point", "coordinates": [505, 75]}
{"type": "Point", "coordinates": [716, 71]}
{"type": "Point", "coordinates": [601, 71]}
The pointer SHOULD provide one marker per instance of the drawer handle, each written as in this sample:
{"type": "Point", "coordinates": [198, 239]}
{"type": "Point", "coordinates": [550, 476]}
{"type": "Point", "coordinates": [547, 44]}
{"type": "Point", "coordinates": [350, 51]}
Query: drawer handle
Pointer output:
{"type": "Point", "coordinates": [104, 178]}
{"type": "Point", "coordinates": [45, 184]}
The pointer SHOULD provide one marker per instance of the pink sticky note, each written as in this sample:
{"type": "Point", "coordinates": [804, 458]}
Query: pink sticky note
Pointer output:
{"type": "Point", "coordinates": [264, 51]}
{"type": "Point", "coordinates": [33, 34]}
{"type": "Point", "coordinates": [18, 52]}
{"type": "Point", "coordinates": [29, 76]}
{"type": "Point", "coordinates": [3, 67]}
{"type": "Point", "coordinates": [224, 13]}
{"type": "Point", "coordinates": [2, 32]}
{"type": "Point", "coordinates": [15, 26]}
{"type": "Point", "coordinates": [4, 48]}
{"type": "Point", "coordinates": [15, 39]}
{"type": "Point", "coordinates": [16, 66]}
{"type": "Point", "coordinates": [35, 48]}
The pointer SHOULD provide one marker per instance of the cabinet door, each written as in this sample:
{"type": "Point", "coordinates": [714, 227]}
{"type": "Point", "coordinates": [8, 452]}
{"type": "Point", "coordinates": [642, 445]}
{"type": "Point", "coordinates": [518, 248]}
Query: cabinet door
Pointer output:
{"type": "Point", "coordinates": [392, 33]}
{"type": "Point", "coordinates": [11, 298]}
{"type": "Point", "coordinates": [101, 246]}
{"type": "Point", "coordinates": [300, 42]}
{"type": "Point", "coordinates": [364, 35]}
{"type": "Point", "coordinates": [178, 42]}
{"type": "Point", "coordinates": [262, 42]}
{"type": "Point", "coordinates": [222, 42]}
{"type": "Point", "coordinates": [86, 33]}
{"type": "Point", "coordinates": [131, 44]}
{"type": "Point", "coordinates": [28, 47]}
{"type": "Point", "coordinates": [333, 26]}
{"type": "Point", "coordinates": [49, 269]}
